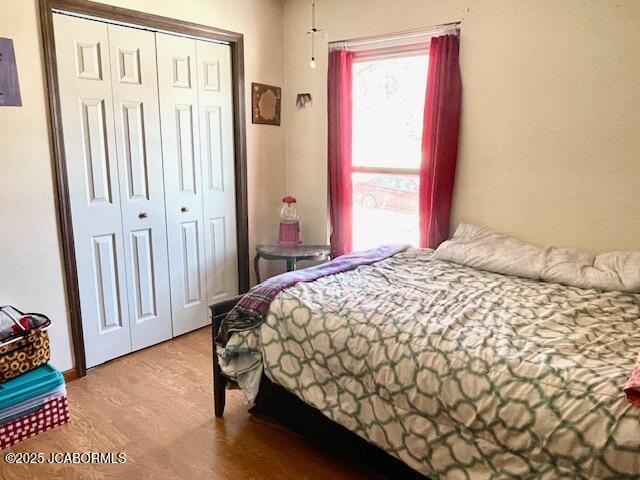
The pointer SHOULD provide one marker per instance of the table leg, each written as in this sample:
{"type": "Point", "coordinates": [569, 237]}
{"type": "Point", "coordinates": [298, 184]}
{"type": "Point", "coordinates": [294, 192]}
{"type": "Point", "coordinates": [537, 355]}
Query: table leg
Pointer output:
{"type": "Point", "coordinates": [256, 266]}
{"type": "Point", "coordinates": [291, 264]}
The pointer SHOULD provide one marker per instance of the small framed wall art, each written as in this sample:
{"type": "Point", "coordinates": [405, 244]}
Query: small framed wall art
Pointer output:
{"type": "Point", "coordinates": [304, 100]}
{"type": "Point", "coordinates": [265, 104]}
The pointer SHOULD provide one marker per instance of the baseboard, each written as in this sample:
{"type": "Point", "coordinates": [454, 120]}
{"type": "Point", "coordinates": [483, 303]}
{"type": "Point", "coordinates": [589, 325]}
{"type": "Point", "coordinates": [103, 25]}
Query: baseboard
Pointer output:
{"type": "Point", "coordinates": [70, 375]}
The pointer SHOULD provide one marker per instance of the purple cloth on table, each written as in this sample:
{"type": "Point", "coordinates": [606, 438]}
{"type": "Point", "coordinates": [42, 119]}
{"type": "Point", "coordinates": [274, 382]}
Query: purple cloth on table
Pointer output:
{"type": "Point", "coordinates": [249, 312]}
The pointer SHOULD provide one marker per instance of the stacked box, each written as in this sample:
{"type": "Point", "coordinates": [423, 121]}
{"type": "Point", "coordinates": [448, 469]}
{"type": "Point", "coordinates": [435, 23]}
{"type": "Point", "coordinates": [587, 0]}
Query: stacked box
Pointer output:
{"type": "Point", "coordinates": [31, 404]}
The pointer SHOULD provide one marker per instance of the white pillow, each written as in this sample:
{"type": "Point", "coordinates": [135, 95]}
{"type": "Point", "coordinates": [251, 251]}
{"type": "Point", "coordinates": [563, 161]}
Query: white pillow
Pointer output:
{"type": "Point", "coordinates": [618, 271]}
{"type": "Point", "coordinates": [486, 250]}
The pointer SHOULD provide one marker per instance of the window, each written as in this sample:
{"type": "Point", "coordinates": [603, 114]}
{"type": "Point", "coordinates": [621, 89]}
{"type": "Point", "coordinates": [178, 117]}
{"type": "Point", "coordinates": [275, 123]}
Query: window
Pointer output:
{"type": "Point", "coordinates": [388, 109]}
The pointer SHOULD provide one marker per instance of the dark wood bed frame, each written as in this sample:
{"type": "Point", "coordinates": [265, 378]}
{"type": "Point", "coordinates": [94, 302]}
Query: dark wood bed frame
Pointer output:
{"type": "Point", "coordinates": [276, 404]}
{"type": "Point", "coordinates": [220, 381]}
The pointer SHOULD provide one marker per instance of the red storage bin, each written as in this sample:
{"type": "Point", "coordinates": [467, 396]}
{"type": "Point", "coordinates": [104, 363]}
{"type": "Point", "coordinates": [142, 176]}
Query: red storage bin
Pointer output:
{"type": "Point", "coordinates": [53, 413]}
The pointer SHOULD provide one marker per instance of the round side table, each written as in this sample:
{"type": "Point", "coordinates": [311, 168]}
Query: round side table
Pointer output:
{"type": "Point", "coordinates": [290, 253]}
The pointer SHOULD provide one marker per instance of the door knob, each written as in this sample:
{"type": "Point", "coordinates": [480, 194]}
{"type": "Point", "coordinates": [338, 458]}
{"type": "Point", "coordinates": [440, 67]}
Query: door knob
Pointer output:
{"type": "Point", "coordinates": [142, 215]}
{"type": "Point", "coordinates": [184, 209]}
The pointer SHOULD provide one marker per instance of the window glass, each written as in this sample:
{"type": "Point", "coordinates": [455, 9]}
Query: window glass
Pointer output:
{"type": "Point", "coordinates": [384, 215]}
{"type": "Point", "coordinates": [385, 182]}
{"type": "Point", "coordinates": [388, 106]}
{"type": "Point", "coordinates": [388, 111]}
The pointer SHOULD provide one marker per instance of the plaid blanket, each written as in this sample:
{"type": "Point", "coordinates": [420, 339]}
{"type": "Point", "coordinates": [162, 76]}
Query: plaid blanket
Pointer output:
{"type": "Point", "coordinates": [251, 309]}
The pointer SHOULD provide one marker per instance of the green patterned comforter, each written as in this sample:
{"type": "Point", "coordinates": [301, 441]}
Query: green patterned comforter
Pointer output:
{"type": "Point", "coordinates": [462, 373]}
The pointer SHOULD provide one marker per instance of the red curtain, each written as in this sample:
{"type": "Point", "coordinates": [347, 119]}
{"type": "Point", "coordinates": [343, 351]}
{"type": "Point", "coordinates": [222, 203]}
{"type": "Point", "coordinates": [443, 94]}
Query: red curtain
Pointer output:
{"type": "Point", "coordinates": [340, 82]}
{"type": "Point", "coordinates": [439, 140]}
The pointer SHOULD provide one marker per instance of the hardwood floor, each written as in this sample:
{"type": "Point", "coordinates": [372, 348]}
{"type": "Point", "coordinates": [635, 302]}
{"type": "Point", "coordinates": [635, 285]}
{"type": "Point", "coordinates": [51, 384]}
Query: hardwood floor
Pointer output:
{"type": "Point", "coordinates": [156, 406]}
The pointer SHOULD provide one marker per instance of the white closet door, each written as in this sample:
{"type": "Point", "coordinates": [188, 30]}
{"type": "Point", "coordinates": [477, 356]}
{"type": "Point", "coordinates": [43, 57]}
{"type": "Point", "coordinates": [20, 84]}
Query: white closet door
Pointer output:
{"type": "Point", "coordinates": [217, 160]}
{"type": "Point", "coordinates": [177, 85]}
{"type": "Point", "coordinates": [137, 127]}
{"type": "Point", "coordinates": [84, 71]}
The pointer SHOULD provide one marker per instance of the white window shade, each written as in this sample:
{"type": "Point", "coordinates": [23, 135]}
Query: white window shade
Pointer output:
{"type": "Point", "coordinates": [397, 44]}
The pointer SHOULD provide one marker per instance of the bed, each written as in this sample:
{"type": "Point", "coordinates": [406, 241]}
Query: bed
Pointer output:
{"type": "Point", "coordinates": [456, 371]}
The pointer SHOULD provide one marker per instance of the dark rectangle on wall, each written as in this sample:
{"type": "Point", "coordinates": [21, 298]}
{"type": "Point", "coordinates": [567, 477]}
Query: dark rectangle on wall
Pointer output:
{"type": "Point", "coordinates": [9, 87]}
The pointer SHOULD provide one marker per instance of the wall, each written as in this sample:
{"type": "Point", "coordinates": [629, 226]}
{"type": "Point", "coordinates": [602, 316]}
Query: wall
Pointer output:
{"type": "Point", "coordinates": [31, 272]}
{"type": "Point", "coordinates": [550, 117]}
{"type": "Point", "coordinates": [548, 147]}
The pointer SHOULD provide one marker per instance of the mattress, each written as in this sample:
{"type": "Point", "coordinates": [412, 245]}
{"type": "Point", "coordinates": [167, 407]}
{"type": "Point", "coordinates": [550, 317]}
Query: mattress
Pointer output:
{"type": "Point", "coordinates": [462, 373]}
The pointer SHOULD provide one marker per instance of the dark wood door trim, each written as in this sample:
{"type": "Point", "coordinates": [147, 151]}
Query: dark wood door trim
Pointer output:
{"type": "Point", "coordinates": [155, 22]}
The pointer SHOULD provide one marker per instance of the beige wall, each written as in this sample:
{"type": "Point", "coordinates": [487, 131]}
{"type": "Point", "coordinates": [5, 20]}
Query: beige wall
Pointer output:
{"type": "Point", "coordinates": [550, 134]}
{"type": "Point", "coordinates": [31, 272]}
{"type": "Point", "coordinates": [548, 148]}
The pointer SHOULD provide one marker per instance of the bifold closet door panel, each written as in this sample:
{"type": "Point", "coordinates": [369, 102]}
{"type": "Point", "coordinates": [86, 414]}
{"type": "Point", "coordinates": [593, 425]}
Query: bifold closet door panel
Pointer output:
{"type": "Point", "coordinates": [217, 160]}
{"type": "Point", "coordinates": [84, 72]}
{"type": "Point", "coordinates": [178, 91]}
{"type": "Point", "coordinates": [137, 126]}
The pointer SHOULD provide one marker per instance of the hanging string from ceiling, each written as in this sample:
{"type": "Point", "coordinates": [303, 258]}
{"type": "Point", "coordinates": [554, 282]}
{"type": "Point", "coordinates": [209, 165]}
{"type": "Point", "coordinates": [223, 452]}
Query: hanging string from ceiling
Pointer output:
{"type": "Point", "coordinates": [312, 32]}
